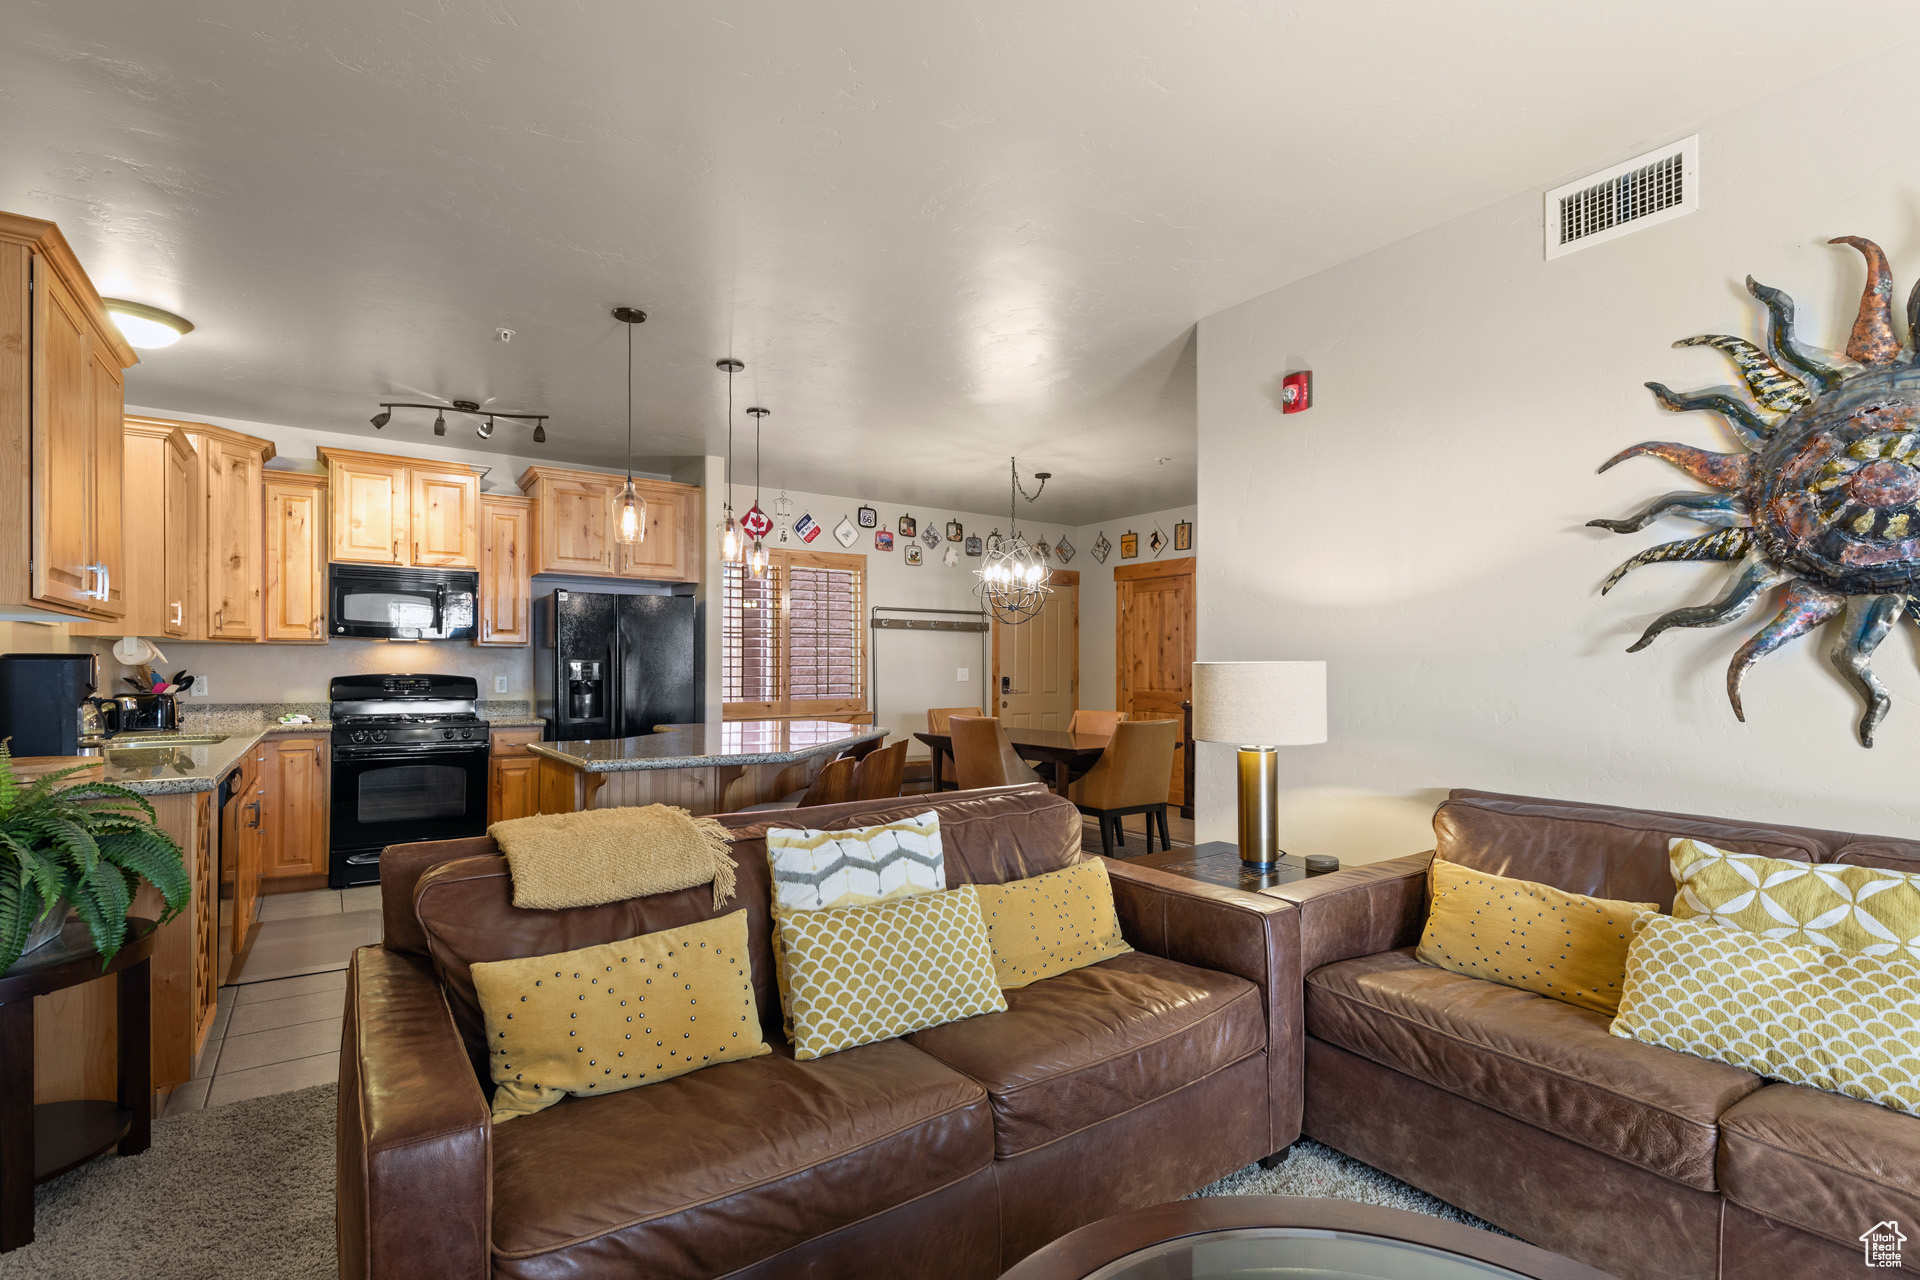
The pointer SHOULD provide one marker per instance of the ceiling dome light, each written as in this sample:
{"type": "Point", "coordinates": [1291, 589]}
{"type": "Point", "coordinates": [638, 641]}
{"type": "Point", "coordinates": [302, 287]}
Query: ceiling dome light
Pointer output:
{"type": "Point", "coordinates": [147, 327]}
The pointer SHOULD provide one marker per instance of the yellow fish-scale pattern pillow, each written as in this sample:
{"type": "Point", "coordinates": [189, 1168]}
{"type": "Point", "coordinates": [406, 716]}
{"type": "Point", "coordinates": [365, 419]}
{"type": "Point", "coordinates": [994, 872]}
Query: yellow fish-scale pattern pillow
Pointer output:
{"type": "Point", "coordinates": [1051, 924]}
{"type": "Point", "coordinates": [1532, 936]}
{"type": "Point", "coordinates": [873, 972]}
{"type": "Point", "coordinates": [1808, 904]}
{"type": "Point", "coordinates": [619, 1015]}
{"type": "Point", "coordinates": [1831, 1019]}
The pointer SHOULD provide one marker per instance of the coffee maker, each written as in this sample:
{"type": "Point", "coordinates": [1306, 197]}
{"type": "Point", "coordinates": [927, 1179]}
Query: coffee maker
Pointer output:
{"type": "Point", "coordinates": [41, 695]}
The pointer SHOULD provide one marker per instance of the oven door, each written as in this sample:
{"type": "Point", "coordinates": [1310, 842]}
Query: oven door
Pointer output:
{"type": "Point", "coordinates": [402, 604]}
{"type": "Point", "coordinates": [399, 795]}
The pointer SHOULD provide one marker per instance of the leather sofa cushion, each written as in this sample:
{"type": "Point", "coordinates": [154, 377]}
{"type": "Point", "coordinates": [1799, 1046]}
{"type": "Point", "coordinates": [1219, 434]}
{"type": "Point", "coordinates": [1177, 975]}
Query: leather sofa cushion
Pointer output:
{"type": "Point", "coordinates": [1888, 855]}
{"type": "Point", "coordinates": [1594, 849]}
{"type": "Point", "coordinates": [1535, 1059]}
{"type": "Point", "coordinates": [1082, 1047]}
{"type": "Point", "coordinates": [715, 1170]}
{"type": "Point", "coordinates": [1829, 1165]}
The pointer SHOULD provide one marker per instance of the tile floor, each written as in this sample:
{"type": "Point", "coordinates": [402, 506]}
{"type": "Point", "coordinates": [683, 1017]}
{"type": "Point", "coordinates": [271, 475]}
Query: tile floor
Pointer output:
{"type": "Point", "coordinates": [277, 1027]}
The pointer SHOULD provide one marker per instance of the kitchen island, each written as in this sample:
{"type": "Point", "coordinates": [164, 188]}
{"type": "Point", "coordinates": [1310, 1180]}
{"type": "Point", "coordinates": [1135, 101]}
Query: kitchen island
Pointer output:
{"type": "Point", "coordinates": [702, 768]}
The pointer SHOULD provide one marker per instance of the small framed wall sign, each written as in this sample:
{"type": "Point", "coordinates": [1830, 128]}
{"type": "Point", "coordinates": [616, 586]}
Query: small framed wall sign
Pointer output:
{"type": "Point", "coordinates": [909, 526]}
{"type": "Point", "coordinates": [844, 533]}
{"type": "Point", "coordinates": [915, 554]}
{"type": "Point", "coordinates": [1042, 550]}
{"type": "Point", "coordinates": [807, 527]}
{"type": "Point", "coordinates": [1064, 550]}
{"type": "Point", "coordinates": [1183, 536]}
{"type": "Point", "coordinates": [951, 556]}
{"type": "Point", "coordinates": [1102, 548]}
{"type": "Point", "coordinates": [1158, 542]}
{"type": "Point", "coordinates": [930, 536]}
{"type": "Point", "coordinates": [1129, 545]}
{"type": "Point", "coordinates": [974, 546]}
{"type": "Point", "coordinates": [954, 531]}
{"type": "Point", "coordinates": [869, 517]}
{"type": "Point", "coordinates": [882, 540]}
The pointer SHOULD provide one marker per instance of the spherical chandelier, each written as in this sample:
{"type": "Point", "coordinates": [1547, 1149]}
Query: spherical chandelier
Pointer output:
{"type": "Point", "coordinates": [1014, 577]}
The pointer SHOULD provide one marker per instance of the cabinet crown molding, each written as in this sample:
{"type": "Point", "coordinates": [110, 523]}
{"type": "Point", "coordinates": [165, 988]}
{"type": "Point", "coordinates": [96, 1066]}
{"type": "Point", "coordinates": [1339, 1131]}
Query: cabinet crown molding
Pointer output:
{"type": "Point", "coordinates": [400, 459]}
{"type": "Point", "coordinates": [535, 474]}
{"type": "Point", "coordinates": [192, 428]}
{"type": "Point", "coordinates": [44, 238]}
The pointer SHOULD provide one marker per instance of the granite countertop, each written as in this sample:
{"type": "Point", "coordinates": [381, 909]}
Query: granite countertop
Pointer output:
{"type": "Point", "coordinates": [698, 746]}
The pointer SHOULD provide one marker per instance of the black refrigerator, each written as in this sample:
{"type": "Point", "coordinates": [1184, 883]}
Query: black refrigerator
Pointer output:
{"type": "Point", "coordinates": [614, 666]}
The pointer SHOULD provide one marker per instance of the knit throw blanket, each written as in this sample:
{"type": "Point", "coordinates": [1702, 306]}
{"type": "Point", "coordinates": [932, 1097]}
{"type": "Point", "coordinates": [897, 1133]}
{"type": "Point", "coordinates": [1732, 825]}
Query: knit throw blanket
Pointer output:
{"type": "Point", "coordinates": [607, 855]}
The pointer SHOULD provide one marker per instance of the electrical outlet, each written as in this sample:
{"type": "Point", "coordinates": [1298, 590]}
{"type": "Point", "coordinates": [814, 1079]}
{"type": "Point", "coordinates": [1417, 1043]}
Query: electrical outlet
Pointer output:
{"type": "Point", "coordinates": [499, 684]}
{"type": "Point", "coordinates": [963, 674]}
{"type": "Point", "coordinates": [199, 687]}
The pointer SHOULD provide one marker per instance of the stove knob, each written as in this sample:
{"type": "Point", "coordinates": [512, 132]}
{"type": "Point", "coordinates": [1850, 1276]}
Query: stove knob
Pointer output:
{"type": "Point", "coordinates": [379, 735]}
{"type": "Point", "coordinates": [466, 733]}
{"type": "Point", "coordinates": [446, 733]}
{"type": "Point", "coordinates": [359, 735]}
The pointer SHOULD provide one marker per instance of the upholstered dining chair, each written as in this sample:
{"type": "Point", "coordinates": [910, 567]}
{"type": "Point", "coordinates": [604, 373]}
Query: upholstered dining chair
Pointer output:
{"type": "Point", "coordinates": [1085, 721]}
{"type": "Point", "coordinates": [877, 774]}
{"type": "Point", "coordinates": [984, 757]}
{"type": "Point", "coordinates": [939, 721]}
{"type": "Point", "coordinates": [1133, 775]}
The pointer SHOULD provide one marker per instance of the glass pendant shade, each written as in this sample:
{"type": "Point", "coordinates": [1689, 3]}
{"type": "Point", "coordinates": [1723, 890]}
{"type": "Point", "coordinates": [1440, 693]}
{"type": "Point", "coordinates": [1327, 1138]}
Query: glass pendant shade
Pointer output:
{"type": "Point", "coordinates": [632, 523]}
{"type": "Point", "coordinates": [730, 541]}
{"type": "Point", "coordinates": [758, 560]}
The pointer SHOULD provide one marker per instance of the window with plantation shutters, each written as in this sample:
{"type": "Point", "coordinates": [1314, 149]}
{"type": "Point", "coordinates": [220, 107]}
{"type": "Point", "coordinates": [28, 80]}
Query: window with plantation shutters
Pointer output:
{"type": "Point", "coordinates": [791, 639]}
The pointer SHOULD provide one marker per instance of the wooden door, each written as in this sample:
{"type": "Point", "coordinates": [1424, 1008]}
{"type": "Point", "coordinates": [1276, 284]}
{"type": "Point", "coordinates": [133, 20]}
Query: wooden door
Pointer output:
{"type": "Point", "coordinates": [576, 526]}
{"type": "Point", "coordinates": [444, 515]}
{"type": "Point", "coordinates": [662, 555]}
{"type": "Point", "coordinates": [1154, 648]}
{"type": "Point", "coordinates": [233, 533]}
{"type": "Point", "coordinates": [177, 597]}
{"type": "Point", "coordinates": [506, 584]}
{"type": "Point", "coordinates": [209, 966]}
{"type": "Point", "coordinates": [63, 447]}
{"type": "Point", "coordinates": [369, 510]}
{"type": "Point", "coordinates": [1036, 665]}
{"type": "Point", "coordinates": [156, 470]}
{"type": "Point", "coordinates": [108, 404]}
{"type": "Point", "coordinates": [296, 557]}
{"type": "Point", "coordinates": [294, 828]}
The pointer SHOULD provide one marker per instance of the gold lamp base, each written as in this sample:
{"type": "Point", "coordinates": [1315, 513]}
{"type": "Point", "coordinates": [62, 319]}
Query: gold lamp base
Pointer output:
{"type": "Point", "coordinates": [1259, 812]}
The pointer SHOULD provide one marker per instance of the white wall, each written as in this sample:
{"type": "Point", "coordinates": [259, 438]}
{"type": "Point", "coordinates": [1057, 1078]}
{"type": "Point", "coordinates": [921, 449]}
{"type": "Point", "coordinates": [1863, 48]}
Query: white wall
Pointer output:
{"type": "Point", "coordinates": [1421, 527]}
{"type": "Point", "coordinates": [1098, 688]}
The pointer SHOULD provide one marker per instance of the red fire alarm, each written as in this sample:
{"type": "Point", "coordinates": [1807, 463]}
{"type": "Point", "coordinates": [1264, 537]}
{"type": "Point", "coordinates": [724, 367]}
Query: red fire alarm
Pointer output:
{"type": "Point", "coordinates": [1296, 391]}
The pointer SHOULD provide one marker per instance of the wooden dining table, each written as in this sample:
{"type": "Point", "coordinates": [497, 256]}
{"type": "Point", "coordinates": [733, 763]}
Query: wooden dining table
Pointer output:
{"type": "Point", "coordinates": [1066, 753]}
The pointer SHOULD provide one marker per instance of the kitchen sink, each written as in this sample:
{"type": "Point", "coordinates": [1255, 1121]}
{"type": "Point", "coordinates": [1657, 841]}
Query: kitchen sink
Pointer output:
{"type": "Point", "coordinates": [132, 741]}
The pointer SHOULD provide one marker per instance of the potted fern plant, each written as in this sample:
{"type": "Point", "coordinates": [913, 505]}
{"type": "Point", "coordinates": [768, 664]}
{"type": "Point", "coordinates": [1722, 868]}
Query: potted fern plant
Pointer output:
{"type": "Point", "coordinates": [86, 847]}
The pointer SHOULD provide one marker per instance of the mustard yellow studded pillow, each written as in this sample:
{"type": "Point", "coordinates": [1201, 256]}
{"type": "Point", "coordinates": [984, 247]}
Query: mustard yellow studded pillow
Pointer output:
{"type": "Point", "coordinates": [873, 972]}
{"type": "Point", "coordinates": [619, 1015]}
{"type": "Point", "coordinates": [1812, 904]}
{"type": "Point", "coordinates": [1050, 924]}
{"type": "Point", "coordinates": [1532, 936]}
{"type": "Point", "coordinates": [1834, 1020]}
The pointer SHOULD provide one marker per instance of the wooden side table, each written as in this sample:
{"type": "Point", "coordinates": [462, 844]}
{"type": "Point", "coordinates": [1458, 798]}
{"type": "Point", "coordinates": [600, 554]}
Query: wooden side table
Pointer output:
{"type": "Point", "coordinates": [40, 1143]}
{"type": "Point", "coordinates": [1218, 862]}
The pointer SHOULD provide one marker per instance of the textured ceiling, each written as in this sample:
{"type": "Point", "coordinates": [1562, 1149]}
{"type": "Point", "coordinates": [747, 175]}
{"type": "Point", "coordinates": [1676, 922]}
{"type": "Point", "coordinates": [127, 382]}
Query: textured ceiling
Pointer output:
{"type": "Point", "coordinates": [938, 234]}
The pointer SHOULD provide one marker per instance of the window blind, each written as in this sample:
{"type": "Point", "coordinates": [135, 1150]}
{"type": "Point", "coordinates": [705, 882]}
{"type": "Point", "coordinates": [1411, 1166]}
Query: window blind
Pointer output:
{"type": "Point", "coordinates": [823, 633]}
{"type": "Point", "coordinates": [750, 636]}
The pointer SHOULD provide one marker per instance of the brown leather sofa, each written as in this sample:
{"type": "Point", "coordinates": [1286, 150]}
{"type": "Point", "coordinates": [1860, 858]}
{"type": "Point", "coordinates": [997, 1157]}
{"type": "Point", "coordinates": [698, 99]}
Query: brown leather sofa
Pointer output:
{"type": "Point", "coordinates": [1647, 1163]}
{"type": "Point", "coordinates": [951, 1153]}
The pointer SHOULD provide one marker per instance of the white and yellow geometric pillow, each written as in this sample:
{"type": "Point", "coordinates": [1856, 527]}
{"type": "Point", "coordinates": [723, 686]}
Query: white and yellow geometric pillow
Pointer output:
{"type": "Point", "coordinates": [1822, 904]}
{"type": "Point", "coordinates": [873, 972]}
{"type": "Point", "coordinates": [1837, 1021]}
{"type": "Point", "coordinates": [816, 869]}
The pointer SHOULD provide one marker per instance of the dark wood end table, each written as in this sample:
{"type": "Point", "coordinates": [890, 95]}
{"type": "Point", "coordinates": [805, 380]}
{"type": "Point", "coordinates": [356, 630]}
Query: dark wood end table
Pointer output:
{"type": "Point", "coordinates": [39, 1143]}
{"type": "Point", "coordinates": [1230, 1237]}
{"type": "Point", "coordinates": [1218, 862]}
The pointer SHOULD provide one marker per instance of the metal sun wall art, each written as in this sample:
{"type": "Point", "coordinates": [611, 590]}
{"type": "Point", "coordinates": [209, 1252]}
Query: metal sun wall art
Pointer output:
{"type": "Point", "coordinates": [1824, 501]}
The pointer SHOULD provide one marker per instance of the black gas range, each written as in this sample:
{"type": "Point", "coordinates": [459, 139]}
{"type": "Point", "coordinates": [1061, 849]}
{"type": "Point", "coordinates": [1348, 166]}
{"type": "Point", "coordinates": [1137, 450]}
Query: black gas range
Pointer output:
{"type": "Point", "coordinates": [409, 763]}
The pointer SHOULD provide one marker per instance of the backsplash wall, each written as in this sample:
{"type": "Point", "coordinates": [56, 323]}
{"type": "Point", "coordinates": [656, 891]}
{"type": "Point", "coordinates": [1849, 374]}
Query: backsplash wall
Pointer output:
{"type": "Point", "coordinates": [299, 673]}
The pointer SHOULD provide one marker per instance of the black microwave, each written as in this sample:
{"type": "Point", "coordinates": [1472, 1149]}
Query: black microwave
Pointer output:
{"type": "Point", "coordinates": [379, 603]}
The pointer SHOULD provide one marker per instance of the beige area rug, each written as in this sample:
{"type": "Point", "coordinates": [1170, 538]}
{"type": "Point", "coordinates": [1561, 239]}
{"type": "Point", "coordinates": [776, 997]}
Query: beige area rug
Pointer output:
{"type": "Point", "coordinates": [245, 1192]}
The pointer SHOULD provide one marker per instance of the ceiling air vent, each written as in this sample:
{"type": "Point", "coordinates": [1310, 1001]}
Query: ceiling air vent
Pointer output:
{"type": "Point", "coordinates": [1647, 189]}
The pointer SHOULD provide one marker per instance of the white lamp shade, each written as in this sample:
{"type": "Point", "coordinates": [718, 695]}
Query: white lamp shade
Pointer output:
{"type": "Point", "coordinates": [1260, 704]}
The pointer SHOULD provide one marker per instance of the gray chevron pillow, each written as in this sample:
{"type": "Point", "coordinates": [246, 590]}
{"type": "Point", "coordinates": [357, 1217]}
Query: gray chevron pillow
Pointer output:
{"type": "Point", "coordinates": [815, 869]}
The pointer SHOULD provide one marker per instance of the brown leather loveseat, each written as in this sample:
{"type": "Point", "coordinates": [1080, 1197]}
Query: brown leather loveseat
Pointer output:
{"type": "Point", "coordinates": [1647, 1163]}
{"type": "Point", "coordinates": [951, 1153]}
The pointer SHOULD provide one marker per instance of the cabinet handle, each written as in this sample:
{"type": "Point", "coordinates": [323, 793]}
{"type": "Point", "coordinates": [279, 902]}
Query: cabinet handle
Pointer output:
{"type": "Point", "coordinates": [106, 582]}
{"type": "Point", "coordinates": [177, 620]}
{"type": "Point", "coordinates": [416, 551]}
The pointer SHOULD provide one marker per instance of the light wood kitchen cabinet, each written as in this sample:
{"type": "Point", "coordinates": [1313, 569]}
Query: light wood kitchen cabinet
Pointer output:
{"type": "Point", "coordinates": [159, 480]}
{"type": "Point", "coordinates": [574, 526]}
{"type": "Point", "coordinates": [506, 571]}
{"type": "Point", "coordinates": [296, 557]}
{"type": "Point", "coordinates": [235, 599]}
{"type": "Point", "coordinates": [61, 399]}
{"type": "Point", "coordinates": [403, 511]}
{"type": "Point", "coordinates": [294, 787]}
{"type": "Point", "coordinates": [242, 825]}
{"type": "Point", "coordinates": [513, 776]}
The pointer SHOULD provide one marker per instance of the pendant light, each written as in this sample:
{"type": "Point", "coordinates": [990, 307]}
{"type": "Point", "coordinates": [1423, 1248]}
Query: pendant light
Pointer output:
{"type": "Point", "coordinates": [730, 542]}
{"type": "Point", "coordinates": [757, 561]}
{"type": "Point", "coordinates": [631, 525]}
{"type": "Point", "coordinates": [1013, 580]}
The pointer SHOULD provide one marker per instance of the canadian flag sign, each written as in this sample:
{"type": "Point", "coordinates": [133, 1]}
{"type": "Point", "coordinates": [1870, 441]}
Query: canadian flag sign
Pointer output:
{"type": "Point", "coordinates": [807, 527]}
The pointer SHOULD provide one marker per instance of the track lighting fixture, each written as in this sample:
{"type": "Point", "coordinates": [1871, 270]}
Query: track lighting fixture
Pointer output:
{"type": "Point", "coordinates": [483, 428]}
{"type": "Point", "coordinates": [632, 524]}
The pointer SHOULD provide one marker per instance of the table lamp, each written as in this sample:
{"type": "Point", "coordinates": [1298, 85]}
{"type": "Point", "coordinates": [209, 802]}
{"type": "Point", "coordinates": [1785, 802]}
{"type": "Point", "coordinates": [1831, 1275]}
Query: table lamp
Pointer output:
{"type": "Point", "coordinates": [1260, 706]}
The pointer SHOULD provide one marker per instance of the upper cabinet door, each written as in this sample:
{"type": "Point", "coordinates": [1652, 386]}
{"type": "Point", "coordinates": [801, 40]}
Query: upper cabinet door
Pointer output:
{"type": "Point", "coordinates": [662, 554]}
{"type": "Point", "coordinates": [576, 526]}
{"type": "Point", "coordinates": [369, 511]}
{"type": "Point", "coordinates": [296, 565]}
{"type": "Point", "coordinates": [108, 454]}
{"type": "Point", "coordinates": [233, 540]}
{"type": "Point", "coordinates": [178, 599]}
{"type": "Point", "coordinates": [506, 589]}
{"type": "Point", "coordinates": [445, 508]}
{"type": "Point", "coordinates": [65, 571]}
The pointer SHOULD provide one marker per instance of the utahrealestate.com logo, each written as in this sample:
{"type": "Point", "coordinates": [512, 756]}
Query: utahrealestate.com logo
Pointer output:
{"type": "Point", "coordinates": [1881, 1243]}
